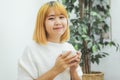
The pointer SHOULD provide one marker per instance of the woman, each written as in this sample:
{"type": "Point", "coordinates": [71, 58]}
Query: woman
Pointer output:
{"type": "Point", "coordinates": [44, 58]}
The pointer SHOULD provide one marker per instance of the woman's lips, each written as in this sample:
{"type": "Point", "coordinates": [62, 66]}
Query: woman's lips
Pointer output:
{"type": "Point", "coordinates": [57, 28]}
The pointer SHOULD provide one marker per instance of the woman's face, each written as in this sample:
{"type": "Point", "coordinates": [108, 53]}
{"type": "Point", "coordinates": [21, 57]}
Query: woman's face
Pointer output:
{"type": "Point", "coordinates": [55, 24]}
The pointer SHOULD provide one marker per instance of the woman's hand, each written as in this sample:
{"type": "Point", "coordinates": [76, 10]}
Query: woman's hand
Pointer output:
{"type": "Point", "coordinates": [64, 61]}
{"type": "Point", "coordinates": [76, 62]}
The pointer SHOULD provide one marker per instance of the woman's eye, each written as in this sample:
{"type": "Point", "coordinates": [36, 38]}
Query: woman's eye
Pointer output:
{"type": "Point", "coordinates": [62, 17]}
{"type": "Point", "coordinates": [50, 18]}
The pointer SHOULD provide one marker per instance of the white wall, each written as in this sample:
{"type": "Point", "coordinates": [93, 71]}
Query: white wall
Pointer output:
{"type": "Point", "coordinates": [17, 21]}
{"type": "Point", "coordinates": [111, 64]}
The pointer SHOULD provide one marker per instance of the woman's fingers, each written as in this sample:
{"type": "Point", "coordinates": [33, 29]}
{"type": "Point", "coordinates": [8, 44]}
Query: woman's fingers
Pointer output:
{"type": "Point", "coordinates": [68, 57]}
{"type": "Point", "coordinates": [64, 55]}
{"type": "Point", "coordinates": [66, 60]}
{"type": "Point", "coordinates": [73, 64]}
{"type": "Point", "coordinates": [79, 54]}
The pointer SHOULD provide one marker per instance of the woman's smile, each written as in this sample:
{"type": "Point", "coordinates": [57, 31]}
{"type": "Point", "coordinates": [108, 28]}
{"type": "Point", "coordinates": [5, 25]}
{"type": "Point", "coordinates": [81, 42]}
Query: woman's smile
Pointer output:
{"type": "Point", "coordinates": [58, 28]}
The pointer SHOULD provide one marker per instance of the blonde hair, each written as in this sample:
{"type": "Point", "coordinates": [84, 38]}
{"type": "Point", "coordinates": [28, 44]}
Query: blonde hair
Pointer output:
{"type": "Point", "coordinates": [40, 34]}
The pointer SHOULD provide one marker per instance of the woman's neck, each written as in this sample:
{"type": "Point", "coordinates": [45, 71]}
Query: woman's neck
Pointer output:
{"type": "Point", "coordinates": [54, 39]}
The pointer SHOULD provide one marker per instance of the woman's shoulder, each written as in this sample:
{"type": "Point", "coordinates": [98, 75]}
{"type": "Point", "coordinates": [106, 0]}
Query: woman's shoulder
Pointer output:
{"type": "Point", "coordinates": [32, 45]}
{"type": "Point", "coordinates": [31, 48]}
{"type": "Point", "coordinates": [67, 44]}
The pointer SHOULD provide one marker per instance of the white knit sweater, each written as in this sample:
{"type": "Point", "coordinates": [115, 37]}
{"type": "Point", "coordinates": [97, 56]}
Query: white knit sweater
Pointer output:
{"type": "Point", "coordinates": [38, 59]}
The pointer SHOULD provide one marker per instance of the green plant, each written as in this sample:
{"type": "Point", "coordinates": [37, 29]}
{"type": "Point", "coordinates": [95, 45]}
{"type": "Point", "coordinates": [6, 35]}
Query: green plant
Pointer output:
{"type": "Point", "coordinates": [88, 27]}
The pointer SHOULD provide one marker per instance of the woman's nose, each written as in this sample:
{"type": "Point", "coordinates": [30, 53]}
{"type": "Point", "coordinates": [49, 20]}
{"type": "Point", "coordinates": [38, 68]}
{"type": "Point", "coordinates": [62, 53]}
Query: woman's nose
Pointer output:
{"type": "Point", "coordinates": [57, 21]}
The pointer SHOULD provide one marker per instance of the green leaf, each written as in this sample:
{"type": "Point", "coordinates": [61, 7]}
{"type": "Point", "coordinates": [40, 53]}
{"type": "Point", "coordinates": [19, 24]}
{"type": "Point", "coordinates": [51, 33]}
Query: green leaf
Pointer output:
{"type": "Point", "coordinates": [94, 14]}
{"type": "Point", "coordinates": [99, 46]}
{"type": "Point", "coordinates": [92, 59]}
{"type": "Point", "coordinates": [84, 36]}
{"type": "Point", "coordinates": [76, 47]}
{"type": "Point", "coordinates": [94, 48]}
{"type": "Point", "coordinates": [73, 1]}
{"type": "Point", "coordinates": [112, 43]}
{"type": "Point", "coordinates": [63, 1]}
{"type": "Point", "coordinates": [84, 30]}
{"type": "Point", "coordinates": [89, 45]}
{"type": "Point", "coordinates": [105, 53]}
{"type": "Point", "coordinates": [97, 60]}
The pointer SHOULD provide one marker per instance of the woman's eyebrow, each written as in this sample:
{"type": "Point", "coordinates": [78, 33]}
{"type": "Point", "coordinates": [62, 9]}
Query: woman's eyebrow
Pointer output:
{"type": "Point", "coordinates": [52, 15]}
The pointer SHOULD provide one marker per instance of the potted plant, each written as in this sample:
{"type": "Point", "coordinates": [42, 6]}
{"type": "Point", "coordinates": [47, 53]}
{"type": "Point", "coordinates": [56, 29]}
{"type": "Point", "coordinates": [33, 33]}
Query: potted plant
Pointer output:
{"type": "Point", "coordinates": [90, 28]}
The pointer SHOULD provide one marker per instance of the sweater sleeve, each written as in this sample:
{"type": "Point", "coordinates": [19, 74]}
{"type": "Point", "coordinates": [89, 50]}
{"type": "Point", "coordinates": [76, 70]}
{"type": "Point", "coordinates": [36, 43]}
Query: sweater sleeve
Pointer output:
{"type": "Point", "coordinates": [26, 66]}
{"type": "Point", "coordinates": [79, 70]}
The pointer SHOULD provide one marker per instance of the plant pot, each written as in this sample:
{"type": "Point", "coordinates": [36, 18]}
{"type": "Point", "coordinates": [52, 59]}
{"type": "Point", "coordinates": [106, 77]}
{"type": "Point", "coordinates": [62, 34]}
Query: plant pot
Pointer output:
{"type": "Point", "coordinates": [93, 76]}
